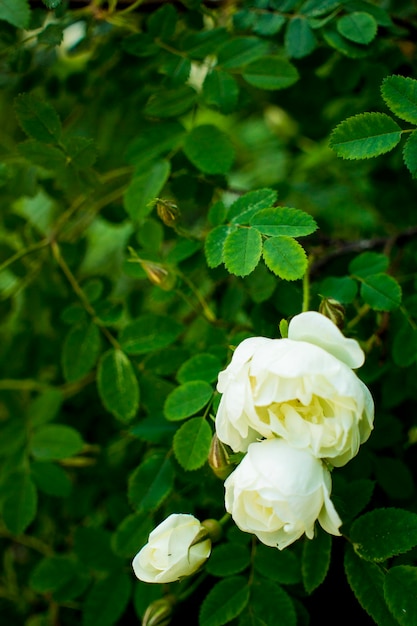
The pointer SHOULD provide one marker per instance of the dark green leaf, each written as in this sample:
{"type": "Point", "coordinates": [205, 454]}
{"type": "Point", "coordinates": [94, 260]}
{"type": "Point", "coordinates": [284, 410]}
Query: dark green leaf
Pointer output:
{"type": "Point", "coordinates": [192, 443]}
{"type": "Point", "coordinates": [369, 263]}
{"type": "Point", "coordinates": [225, 601]}
{"type": "Point", "coordinates": [107, 600]}
{"type": "Point", "coordinates": [410, 153]}
{"type": "Point", "coordinates": [346, 47]}
{"type": "Point", "coordinates": [162, 22]}
{"type": "Point", "coordinates": [92, 545]}
{"type": "Point", "coordinates": [285, 221]}
{"type": "Point", "coordinates": [400, 587]}
{"type": "Point", "coordinates": [155, 140]}
{"type": "Point", "coordinates": [144, 188]}
{"type": "Point", "coordinates": [270, 603]}
{"type": "Point", "coordinates": [242, 251]}
{"type": "Point", "coordinates": [220, 90]}
{"type": "Point", "coordinates": [45, 407]}
{"type": "Point", "coordinates": [131, 534]}
{"type": "Point", "coordinates": [381, 292]}
{"type": "Point", "coordinates": [149, 332]}
{"type": "Point", "coordinates": [268, 24]}
{"type": "Point", "coordinates": [52, 35]}
{"type": "Point", "coordinates": [48, 157]}
{"type": "Point", "coordinates": [228, 559]}
{"type": "Point", "coordinates": [285, 257]}
{"type": "Point", "coordinates": [404, 345]}
{"type": "Point", "coordinates": [81, 151]}
{"type": "Point", "coordinates": [279, 566]}
{"type": "Point", "coordinates": [20, 506]}
{"type": "Point", "coordinates": [150, 483]}
{"type": "Point", "coordinates": [341, 288]}
{"type": "Point", "coordinates": [37, 118]}
{"type": "Point", "coordinates": [209, 149]}
{"type": "Point", "coordinates": [51, 573]}
{"type": "Point", "coordinates": [80, 351]}
{"type": "Point", "coordinates": [171, 102]}
{"type": "Point", "coordinates": [187, 399]}
{"type": "Point", "coordinates": [316, 560]}
{"type": "Point", "coordinates": [395, 478]}
{"type": "Point", "coordinates": [199, 45]}
{"type": "Point", "coordinates": [270, 72]}
{"type": "Point", "coordinates": [300, 39]}
{"type": "Point", "coordinates": [238, 52]}
{"type": "Point", "coordinates": [52, 4]}
{"type": "Point", "coordinates": [51, 479]}
{"type": "Point", "coordinates": [400, 94]}
{"type": "Point", "coordinates": [117, 385]}
{"type": "Point", "coordinates": [315, 8]}
{"type": "Point", "coordinates": [16, 12]}
{"type": "Point", "coordinates": [358, 26]}
{"type": "Point", "coordinates": [383, 533]}
{"type": "Point", "coordinates": [364, 136]}
{"type": "Point", "coordinates": [55, 441]}
{"type": "Point", "coordinates": [200, 367]}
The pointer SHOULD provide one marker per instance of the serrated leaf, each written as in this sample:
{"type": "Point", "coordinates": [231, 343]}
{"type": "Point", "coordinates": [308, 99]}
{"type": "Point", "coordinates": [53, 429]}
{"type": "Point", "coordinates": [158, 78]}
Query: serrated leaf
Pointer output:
{"type": "Point", "coordinates": [381, 292]}
{"type": "Point", "coordinates": [382, 533]}
{"type": "Point", "coordinates": [37, 118]}
{"type": "Point", "coordinates": [410, 153]}
{"type": "Point", "coordinates": [80, 351]}
{"type": "Point", "coordinates": [272, 604]}
{"type": "Point", "coordinates": [209, 149]}
{"type": "Point", "coordinates": [369, 263]}
{"type": "Point", "coordinates": [367, 583]}
{"type": "Point", "coordinates": [242, 251]}
{"type": "Point", "coordinates": [144, 188]}
{"type": "Point", "coordinates": [187, 399]}
{"type": "Point", "coordinates": [285, 257]}
{"type": "Point", "coordinates": [19, 507]}
{"type": "Point", "coordinates": [400, 588]}
{"type": "Point", "coordinates": [44, 155]}
{"type": "Point", "coordinates": [316, 560]}
{"type": "Point", "coordinates": [52, 35]}
{"type": "Point", "coordinates": [55, 441]}
{"type": "Point", "coordinates": [107, 600]}
{"type": "Point", "coordinates": [225, 601]}
{"type": "Point", "coordinates": [117, 385]}
{"type": "Point", "coordinates": [300, 39]}
{"type": "Point", "coordinates": [203, 366]}
{"type": "Point", "coordinates": [400, 94]}
{"type": "Point", "coordinates": [228, 559]}
{"type": "Point", "coordinates": [15, 12]}
{"type": "Point", "coordinates": [150, 483]}
{"type": "Point", "coordinates": [171, 102]}
{"type": "Point", "coordinates": [279, 566]}
{"type": "Point", "coordinates": [214, 245]}
{"type": "Point", "coordinates": [365, 135]}
{"type": "Point", "coordinates": [237, 53]}
{"type": "Point", "coordinates": [220, 90]}
{"type": "Point", "coordinates": [284, 221]}
{"type": "Point", "coordinates": [242, 209]}
{"type": "Point", "coordinates": [192, 443]}
{"type": "Point", "coordinates": [358, 26]}
{"type": "Point", "coordinates": [270, 73]}
{"type": "Point", "coordinates": [148, 333]}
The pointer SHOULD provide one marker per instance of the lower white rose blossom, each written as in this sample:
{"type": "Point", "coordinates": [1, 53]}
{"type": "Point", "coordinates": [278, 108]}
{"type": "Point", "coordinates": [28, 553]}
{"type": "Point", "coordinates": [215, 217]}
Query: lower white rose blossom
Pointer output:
{"type": "Point", "coordinates": [169, 554]}
{"type": "Point", "coordinates": [278, 492]}
{"type": "Point", "coordinates": [301, 388]}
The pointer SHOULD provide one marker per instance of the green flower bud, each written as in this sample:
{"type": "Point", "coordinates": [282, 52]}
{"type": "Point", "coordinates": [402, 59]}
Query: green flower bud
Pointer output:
{"type": "Point", "coordinates": [213, 529]}
{"type": "Point", "coordinates": [159, 612]}
{"type": "Point", "coordinates": [334, 311]}
{"type": "Point", "coordinates": [168, 212]}
{"type": "Point", "coordinates": [158, 274]}
{"type": "Point", "coordinates": [219, 458]}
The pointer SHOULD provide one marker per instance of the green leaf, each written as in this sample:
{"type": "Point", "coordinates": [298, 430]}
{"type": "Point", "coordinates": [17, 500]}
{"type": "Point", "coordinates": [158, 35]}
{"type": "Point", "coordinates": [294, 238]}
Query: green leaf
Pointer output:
{"type": "Point", "coordinates": [192, 443]}
{"type": "Point", "coordinates": [367, 583]}
{"type": "Point", "coordinates": [284, 221]}
{"type": "Point", "coordinates": [404, 345]}
{"type": "Point", "coordinates": [352, 497]}
{"type": "Point", "coordinates": [171, 102]}
{"type": "Point", "coordinates": [220, 90]}
{"type": "Point", "coordinates": [315, 8]}
{"type": "Point", "coordinates": [81, 151]}
{"type": "Point", "coordinates": [410, 153]}
{"type": "Point", "coordinates": [52, 4]}
{"type": "Point", "coordinates": [131, 534]}
{"type": "Point", "coordinates": [37, 118]}
{"type": "Point", "coordinates": [150, 483]}
{"type": "Point", "coordinates": [279, 566]}
{"type": "Point", "coordinates": [149, 332]}
{"type": "Point", "coordinates": [381, 292]}
{"type": "Point", "coordinates": [358, 26]}
{"type": "Point", "coordinates": [267, 24]}
{"type": "Point", "coordinates": [400, 587]}
{"type": "Point", "coordinates": [300, 39]}
{"type": "Point", "coordinates": [117, 385]}
{"type": "Point", "coordinates": [80, 351]}
{"type": "Point", "coordinates": [394, 476]}
{"type": "Point", "coordinates": [203, 366]}
{"type": "Point", "coordinates": [51, 573]}
{"type": "Point", "coordinates": [44, 155]}
{"type": "Point", "coordinates": [15, 12]}
{"type": "Point", "coordinates": [107, 600]}
{"type": "Point", "coordinates": [341, 288]}
{"type": "Point", "coordinates": [209, 149]}
{"type": "Point", "coordinates": [199, 45]}
{"type": "Point", "coordinates": [271, 73]}
{"type": "Point", "coordinates": [225, 601]}
{"type": "Point", "coordinates": [162, 23]}
{"type": "Point", "coordinates": [93, 550]}
{"type": "Point", "coordinates": [228, 559]}
{"type": "Point", "coordinates": [55, 441]}
{"type": "Point", "coordinates": [365, 135]}
{"type": "Point", "coordinates": [214, 244]}
{"type": "Point", "coordinates": [369, 263]}
{"type": "Point", "coordinates": [144, 188]}
{"type": "Point", "coordinates": [242, 209]}
{"type": "Point", "coordinates": [52, 479]}
{"type": "Point", "coordinates": [45, 407]}
{"type": "Point", "coordinates": [400, 94]}
{"type": "Point", "coordinates": [238, 52]}
{"type": "Point", "coordinates": [242, 251]}
{"type": "Point", "coordinates": [285, 257]}
{"type": "Point", "coordinates": [316, 560]}
{"type": "Point", "coordinates": [52, 35]}
{"type": "Point", "coordinates": [20, 506]}
{"type": "Point", "coordinates": [346, 47]}
{"type": "Point", "coordinates": [187, 399]}
{"type": "Point", "coordinates": [383, 533]}
{"type": "Point", "coordinates": [155, 140]}
{"type": "Point", "coordinates": [270, 603]}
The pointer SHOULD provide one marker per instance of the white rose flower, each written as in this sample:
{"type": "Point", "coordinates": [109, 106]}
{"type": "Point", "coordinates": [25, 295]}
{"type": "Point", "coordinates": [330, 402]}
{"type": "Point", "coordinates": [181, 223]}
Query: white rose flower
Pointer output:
{"type": "Point", "coordinates": [169, 554]}
{"type": "Point", "coordinates": [301, 388]}
{"type": "Point", "coordinates": [278, 492]}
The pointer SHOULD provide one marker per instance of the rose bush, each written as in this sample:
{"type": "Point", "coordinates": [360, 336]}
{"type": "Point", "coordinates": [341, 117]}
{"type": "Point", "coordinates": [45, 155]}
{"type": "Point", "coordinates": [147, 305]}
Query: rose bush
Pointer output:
{"type": "Point", "coordinates": [278, 492]}
{"type": "Point", "coordinates": [170, 553]}
{"type": "Point", "coordinates": [301, 388]}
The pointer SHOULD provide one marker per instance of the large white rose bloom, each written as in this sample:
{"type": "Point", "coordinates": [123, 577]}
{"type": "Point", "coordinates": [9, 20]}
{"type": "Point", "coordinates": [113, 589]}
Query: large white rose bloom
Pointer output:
{"type": "Point", "coordinates": [169, 554]}
{"type": "Point", "coordinates": [302, 389]}
{"type": "Point", "coordinates": [278, 492]}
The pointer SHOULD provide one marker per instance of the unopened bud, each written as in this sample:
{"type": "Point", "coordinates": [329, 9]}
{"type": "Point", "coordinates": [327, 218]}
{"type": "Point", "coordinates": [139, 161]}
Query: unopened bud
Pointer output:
{"type": "Point", "coordinates": [334, 310]}
{"type": "Point", "coordinates": [168, 212]}
{"type": "Point", "coordinates": [158, 274]}
{"type": "Point", "coordinates": [159, 612]}
{"type": "Point", "coordinates": [213, 529]}
{"type": "Point", "coordinates": [219, 458]}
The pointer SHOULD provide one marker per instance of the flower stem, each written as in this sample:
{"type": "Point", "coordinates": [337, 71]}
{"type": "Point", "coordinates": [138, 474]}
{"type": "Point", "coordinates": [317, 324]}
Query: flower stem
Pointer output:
{"type": "Point", "coordinates": [306, 290]}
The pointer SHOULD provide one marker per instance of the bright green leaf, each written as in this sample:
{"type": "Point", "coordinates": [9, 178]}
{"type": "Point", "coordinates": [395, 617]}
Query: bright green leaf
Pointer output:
{"type": "Point", "coordinates": [149, 332]}
{"type": "Point", "coordinates": [316, 560]}
{"type": "Point", "coordinates": [15, 12]}
{"type": "Point", "coordinates": [37, 118]}
{"type": "Point", "coordinates": [192, 443]}
{"type": "Point", "coordinates": [242, 251]}
{"type": "Point", "coordinates": [400, 587]}
{"type": "Point", "coordinates": [117, 385]}
{"type": "Point", "coordinates": [358, 26]}
{"type": "Point", "coordinates": [80, 351]}
{"type": "Point", "coordinates": [410, 153]}
{"type": "Point", "coordinates": [225, 601]}
{"type": "Point", "coordinates": [55, 441]}
{"type": "Point", "coordinates": [300, 39]}
{"type": "Point", "coordinates": [242, 210]}
{"type": "Point", "coordinates": [284, 221]}
{"type": "Point", "coordinates": [270, 72]}
{"type": "Point", "coordinates": [144, 188]}
{"type": "Point", "coordinates": [187, 399]}
{"type": "Point", "coordinates": [400, 94]}
{"type": "Point", "coordinates": [267, 24]}
{"type": "Point", "coordinates": [214, 244]}
{"type": "Point", "coordinates": [381, 292]}
{"type": "Point", "coordinates": [203, 366]}
{"type": "Point", "coordinates": [364, 136]}
{"type": "Point", "coordinates": [209, 149]}
{"type": "Point", "coordinates": [150, 483]}
{"type": "Point", "coordinates": [285, 257]}
{"type": "Point", "coordinates": [383, 533]}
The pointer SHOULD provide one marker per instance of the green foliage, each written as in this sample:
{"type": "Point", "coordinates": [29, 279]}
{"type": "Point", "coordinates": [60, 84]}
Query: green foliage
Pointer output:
{"type": "Point", "coordinates": [364, 136]}
{"type": "Point", "coordinates": [316, 560]}
{"type": "Point", "coordinates": [192, 443]}
{"type": "Point", "coordinates": [399, 587]}
{"type": "Point", "coordinates": [117, 385]}
{"type": "Point", "coordinates": [225, 601]}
